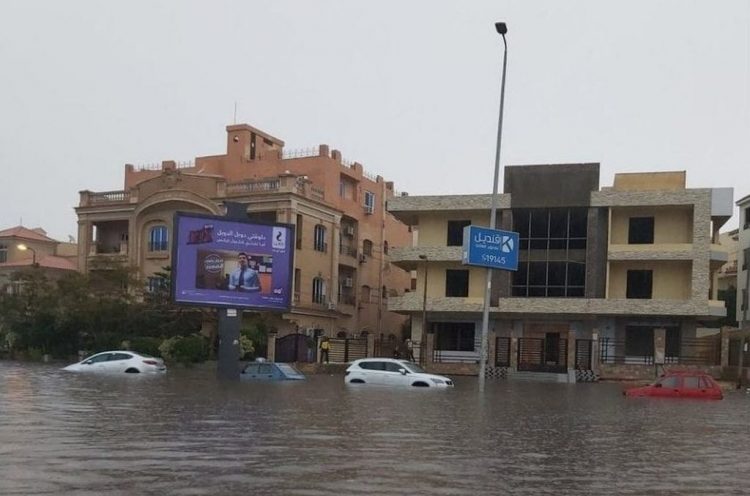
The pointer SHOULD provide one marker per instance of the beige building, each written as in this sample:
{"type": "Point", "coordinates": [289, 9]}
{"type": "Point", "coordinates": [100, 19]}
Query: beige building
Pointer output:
{"type": "Point", "coordinates": [22, 248]}
{"type": "Point", "coordinates": [342, 276]}
{"type": "Point", "coordinates": [607, 277]}
{"type": "Point", "coordinates": [743, 263]}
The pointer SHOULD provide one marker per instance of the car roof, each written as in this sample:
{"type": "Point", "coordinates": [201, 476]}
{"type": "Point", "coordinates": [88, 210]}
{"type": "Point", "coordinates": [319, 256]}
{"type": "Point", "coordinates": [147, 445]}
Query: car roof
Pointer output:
{"type": "Point", "coordinates": [683, 373]}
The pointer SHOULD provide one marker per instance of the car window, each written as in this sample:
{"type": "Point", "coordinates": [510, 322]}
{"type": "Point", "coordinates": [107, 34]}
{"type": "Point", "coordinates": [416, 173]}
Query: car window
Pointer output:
{"type": "Point", "coordinates": [670, 382]}
{"type": "Point", "coordinates": [705, 383]}
{"type": "Point", "coordinates": [691, 382]}
{"type": "Point", "coordinates": [251, 369]}
{"type": "Point", "coordinates": [413, 367]}
{"type": "Point", "coordinates": [393, 367]}
{"type": "Point", "coordinates": [119, 356]}
{"type": "Point", "coordinates": [101, 357]}
{"type": "Point", "coordinates": [264, 368]}
{"type": "Point", "coordinates": [372, 365]}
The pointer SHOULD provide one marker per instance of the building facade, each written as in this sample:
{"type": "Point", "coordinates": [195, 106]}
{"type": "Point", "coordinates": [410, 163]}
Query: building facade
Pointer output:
{"type": "Point", "coordinates": [743, 263]}
{"type": "Point", "coordinates": [342, 275]}
{"type": "Point", "coordinates": [603, 274]}
{"type": "Point", "coordinates": [23, 248]}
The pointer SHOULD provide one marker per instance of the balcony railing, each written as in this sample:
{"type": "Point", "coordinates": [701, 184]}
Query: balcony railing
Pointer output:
{"type": "Point", "coordinates": [109, 197]}
{"type": "Point", "coordinates": [252, 186]}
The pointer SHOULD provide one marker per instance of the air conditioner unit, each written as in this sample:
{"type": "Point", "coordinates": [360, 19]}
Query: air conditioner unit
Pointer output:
{"type": "Point", "coordinates": [331, 306]}
{"type": "Point", "coordinates": [348, 282]}
{"type": "Point", "coordinates": [349, 230]}
{"type": "Point", "coordinates": [362, 258]}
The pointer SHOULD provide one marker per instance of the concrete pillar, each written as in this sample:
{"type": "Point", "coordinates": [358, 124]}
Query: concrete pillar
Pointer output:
{"type": "Point", "coordinates": [429, 345]}
{"type": "Point", "coordinates": [660, 341]}
{"type": "Point", "coordinates": [492, 348]}
{"type": "Point", "coordinates": [271, 347]}
{"type": "Point", "coordinates": [571, 354]}
{"type": "Point", "coordinates": [595, 351]}
{"type": "Point", "coordinates": [513, 353]}
{"type": "Point", "coordinates": [370, 343]}
{"type": "Point", "coordinates": [724, 343]}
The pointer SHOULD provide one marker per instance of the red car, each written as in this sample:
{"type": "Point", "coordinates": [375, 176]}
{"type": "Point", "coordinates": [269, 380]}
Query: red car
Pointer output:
{"type": "Point", "coordinates": [681, 385]}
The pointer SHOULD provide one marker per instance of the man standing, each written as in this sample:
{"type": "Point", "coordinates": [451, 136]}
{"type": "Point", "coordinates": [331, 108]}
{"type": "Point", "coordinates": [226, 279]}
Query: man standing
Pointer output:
{"type": "Point", "coordinates": [325, 347]}
{"type": "Point", "coordinates": [244, 278]}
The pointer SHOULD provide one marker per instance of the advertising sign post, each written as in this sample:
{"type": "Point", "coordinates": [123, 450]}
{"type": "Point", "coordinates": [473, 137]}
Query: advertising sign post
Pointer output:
{"type": "Point", "coordinates": [231, 264]}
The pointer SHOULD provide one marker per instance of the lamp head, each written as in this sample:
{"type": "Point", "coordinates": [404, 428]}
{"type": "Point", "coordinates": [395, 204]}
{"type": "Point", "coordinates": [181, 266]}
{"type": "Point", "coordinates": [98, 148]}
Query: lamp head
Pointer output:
{"type": "Point", "coordinates": [22, 247]}
{"type": "Point", "coordinates": [501, 28]}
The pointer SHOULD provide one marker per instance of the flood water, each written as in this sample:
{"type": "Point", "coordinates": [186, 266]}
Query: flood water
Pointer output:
{"type": "Point", "coordinates": [185, 433]}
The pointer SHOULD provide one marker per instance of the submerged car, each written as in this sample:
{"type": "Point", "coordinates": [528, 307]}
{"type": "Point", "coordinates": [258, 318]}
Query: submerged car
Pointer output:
{"type": "Point", "coordinates": [393, 372]}
{"type": "Point", "coordinates": [270, 371]}
{"type": "Point", "coordinates": [681, 385]}
{"type": "Point", "coordinates": [126, 362]}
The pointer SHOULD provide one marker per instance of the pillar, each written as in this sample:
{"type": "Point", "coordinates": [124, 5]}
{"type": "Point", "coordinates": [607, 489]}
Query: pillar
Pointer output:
{"type": "Point", "coordinates": [271, 347]}
{"type": "Point", "coordinates": [492, 348]}
{"type": "Point", "coordinates": [724, 347]}
{"type": "Point", "coordinates": [370, 343]}
{"type": "Point", "coordinates": [429, 344]}
{"type": "Point", "coordinates": [513, 353]}
{"type": "Point", "coordinates": [660, 346]}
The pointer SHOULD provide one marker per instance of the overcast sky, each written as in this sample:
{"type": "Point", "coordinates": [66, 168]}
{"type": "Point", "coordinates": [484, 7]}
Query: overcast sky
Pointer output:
{"type": "Point", "coordinates": [408, 88]}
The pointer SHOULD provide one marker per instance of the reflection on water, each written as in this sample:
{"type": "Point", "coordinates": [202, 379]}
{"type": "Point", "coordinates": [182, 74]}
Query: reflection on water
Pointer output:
{"type": "Point", "coordinates": [184, 433]}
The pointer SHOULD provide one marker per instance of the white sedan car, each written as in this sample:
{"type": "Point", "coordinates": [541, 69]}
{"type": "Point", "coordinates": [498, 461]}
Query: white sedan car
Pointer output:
{"type": "Point", "coordinates": [126, 362]}
{"type": "Point", "coordinates": [392, 372]}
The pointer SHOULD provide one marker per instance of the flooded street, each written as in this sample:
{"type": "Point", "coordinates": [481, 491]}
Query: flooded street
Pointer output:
{"type": "Point", "coordinates": [185, 433]}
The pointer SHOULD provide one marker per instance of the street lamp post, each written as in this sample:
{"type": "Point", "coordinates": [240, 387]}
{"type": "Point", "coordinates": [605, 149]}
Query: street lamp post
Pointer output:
{"type": "Point", "coordinates": [502, 29]}
{"type": "Point", "coordinates": [24, 247]}
{"type": "Point", "coordinates": [424, 312]}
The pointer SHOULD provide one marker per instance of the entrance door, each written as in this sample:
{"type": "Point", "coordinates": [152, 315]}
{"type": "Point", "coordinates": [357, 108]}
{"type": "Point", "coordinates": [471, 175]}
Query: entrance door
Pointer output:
{"type": "Point", "coordinates": [552, 348]}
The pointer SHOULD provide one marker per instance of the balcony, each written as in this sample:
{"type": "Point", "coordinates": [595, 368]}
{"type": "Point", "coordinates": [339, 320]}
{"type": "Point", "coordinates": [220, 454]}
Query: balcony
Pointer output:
{"type": "Point", "coordinates": [407, 258]}
{"type": "Point", "coordinates": [93, 199]}
{"type": "Point", "coordinates": [676, 251]}
{"type": "Point", "coordinates": [348, 255]}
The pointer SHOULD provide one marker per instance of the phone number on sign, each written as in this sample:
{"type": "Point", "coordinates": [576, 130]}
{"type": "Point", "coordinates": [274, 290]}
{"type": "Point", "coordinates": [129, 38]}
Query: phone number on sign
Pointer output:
{"type": "Point", "coordinates": [493, 259]}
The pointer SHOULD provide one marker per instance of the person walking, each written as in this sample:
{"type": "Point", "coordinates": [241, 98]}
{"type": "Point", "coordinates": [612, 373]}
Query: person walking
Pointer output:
{"type": "Point", "coordinates": [325, 347]}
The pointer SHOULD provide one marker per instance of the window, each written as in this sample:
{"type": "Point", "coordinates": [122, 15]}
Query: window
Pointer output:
{"type": "Point", "coordinates": [557, 266]}
{"type": "Point", "coordinates": [366, 294]}
{"type": "Point", "coordinates": [369, 202]}
{"type": "Point", "coordinates": [454, 336]}
{"type": "Point", "coordinates": [393, 367]}
{"type": "Point", "coordinates": [342, 188]}
{"type": "Point", "coordinates": [457, 283]}
{"type": "Point", "coordinates": [672, 382]}
{"type": "Point", "coordinates": [319, 290]}
{"type": "Point", "coordinates": [158, 238]}
{"type": "Point", "coordinates": [372, 365]}
{"type": "Point", "coordinates": [639, 284]}
{"type": "Point", "coordinates": [298, 232]}
{"type": "Point", "coordinates": [641, 231]}
{"type": "Point", "coordinates": [155, 283]}
{"type": "Point", "coordinates": [456, 232]}
{"type": "Point", "coordinates": [119, 356]}
{"type": "Point", "coordinates": [745, 258]}
{"type": "Point", "coordinates": [3, 253]}
{"type": "Point", "coordinates": [263, 217]}
{"type": "Point", "coordinates": [691, 382]}
{"type": "Point", "coordinates": [297, 282]}
{"type": "Point", "coordinates": [367, 247]}
{"type": "Point", "coordinates": [319, 242]}
{"type": "Point", "coordinates": [639, 341]}
{"type": "Point", "coordinates": [747, 219]}
{"type": "Point", "coordinates": [385, 247]}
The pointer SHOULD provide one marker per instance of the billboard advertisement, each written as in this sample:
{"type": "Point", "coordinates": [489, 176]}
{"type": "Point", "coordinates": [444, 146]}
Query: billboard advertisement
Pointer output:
{"type": "Point", "coordinates": [220, 262]}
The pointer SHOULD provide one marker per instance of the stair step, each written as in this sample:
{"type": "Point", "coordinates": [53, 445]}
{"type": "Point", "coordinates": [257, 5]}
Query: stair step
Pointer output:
{"type": "Point", "coordinates": [538, 377]}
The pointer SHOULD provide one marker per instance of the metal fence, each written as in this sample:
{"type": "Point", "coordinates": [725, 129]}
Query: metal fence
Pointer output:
{"type": "Point", "coordinates": [696, 351]}
{"type": "Point", "coordinates": [502, 352]}
{"type": "Point", "coordinates": [583, 354]}
{"type": "Point", "coordinates": [542, 355]}
{"type": "Point", "coordinates": [345, 350]}
{"type": "Point", "coordinates": [613, 351]}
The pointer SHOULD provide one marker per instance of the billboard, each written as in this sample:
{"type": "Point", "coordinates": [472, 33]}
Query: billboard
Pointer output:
{"type": "Point", "coordinates": [492, 248]}
{"type": "Point", "coordinates": [220, 262]}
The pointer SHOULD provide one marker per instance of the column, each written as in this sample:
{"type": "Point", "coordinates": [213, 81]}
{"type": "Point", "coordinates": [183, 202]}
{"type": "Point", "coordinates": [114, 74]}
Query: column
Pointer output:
{"type": "Point", "coordinates": [659, 346]}
{"type": "Point", "coordinates": [571, 358]}
{"type": "Point", "coordinates": [271, 347]}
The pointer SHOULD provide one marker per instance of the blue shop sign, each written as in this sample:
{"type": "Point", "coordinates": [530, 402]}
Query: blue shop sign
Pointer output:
{"type": "Point", "coordinates": [490, 248]}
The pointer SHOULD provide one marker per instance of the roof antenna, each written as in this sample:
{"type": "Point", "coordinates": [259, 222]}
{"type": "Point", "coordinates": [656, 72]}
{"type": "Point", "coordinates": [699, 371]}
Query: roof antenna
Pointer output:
{"type": "Point", "coordinates": [235, 112]}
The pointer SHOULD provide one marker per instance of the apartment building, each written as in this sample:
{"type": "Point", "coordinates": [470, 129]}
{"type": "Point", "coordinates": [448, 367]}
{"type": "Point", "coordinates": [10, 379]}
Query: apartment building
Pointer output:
{"type": "Point", "coordinates": [342, 275]}
{"type": "Point", "coordinates": [743, 263]}
{"type": "Point", "coordinates": [605, 275]}
{"type": "Point", "coordinates": [23, 248]}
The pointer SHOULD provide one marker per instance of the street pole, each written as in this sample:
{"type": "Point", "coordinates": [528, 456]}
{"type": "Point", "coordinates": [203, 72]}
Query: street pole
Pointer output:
{"type": "Point", "coordinates": [502, 29]}
{"type": "Point", "coordinates": [424, 313]}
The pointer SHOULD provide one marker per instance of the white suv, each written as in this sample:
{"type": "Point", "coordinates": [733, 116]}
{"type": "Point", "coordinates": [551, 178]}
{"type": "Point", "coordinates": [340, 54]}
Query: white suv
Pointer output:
{"type": "Point", "coordinates": [392, 372]}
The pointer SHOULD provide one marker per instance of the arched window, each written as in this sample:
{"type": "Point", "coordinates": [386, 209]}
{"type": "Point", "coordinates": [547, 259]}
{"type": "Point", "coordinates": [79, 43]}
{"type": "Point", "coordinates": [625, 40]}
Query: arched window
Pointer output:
{"type": "Point", "coordinates": [385, 247]}
{"type": "Point", "coordinates": [3, 253]}
{"type": "Point", "coordinates": [367, 247]}
{"type": "Point", "coordinates": [319, 240]}
{"type": "Point", "coordinates": [158, 238]}
{"type": "Point", "coordinates": [319, 290]}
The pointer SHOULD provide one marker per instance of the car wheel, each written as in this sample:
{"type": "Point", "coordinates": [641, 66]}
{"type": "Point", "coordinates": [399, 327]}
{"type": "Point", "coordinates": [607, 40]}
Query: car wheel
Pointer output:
{"type": "Point", "coordinates": [356, 381]}
{"type": "Point", "coordinates": [132, 371]}
{"type": "Point", "coordinates": [420, 384]}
